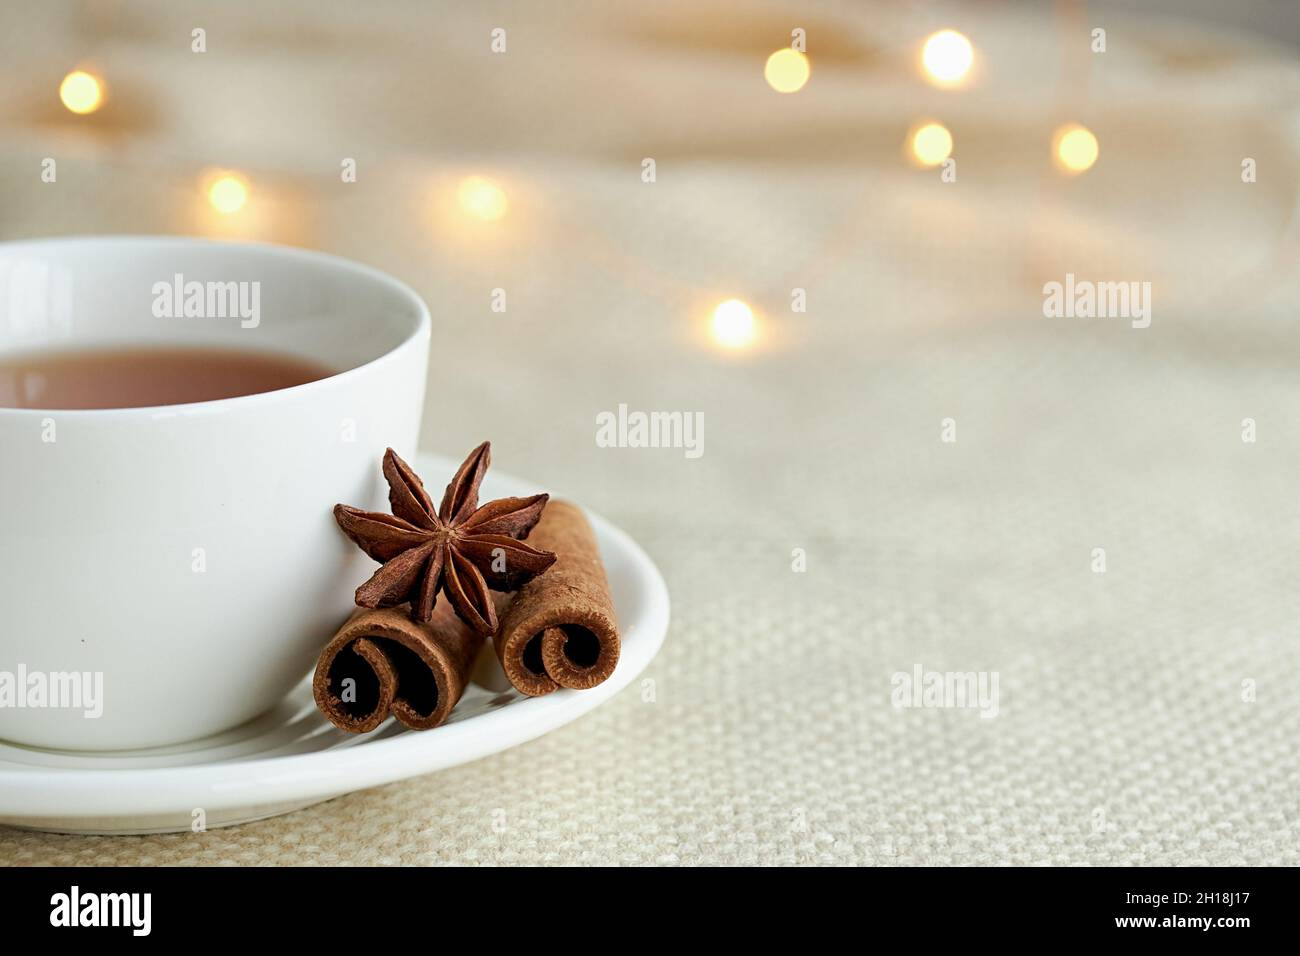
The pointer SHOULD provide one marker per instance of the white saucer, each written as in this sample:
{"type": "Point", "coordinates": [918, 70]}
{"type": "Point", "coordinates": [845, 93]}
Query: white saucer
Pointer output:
{"type": "Point", "coordinates": [293, 757]}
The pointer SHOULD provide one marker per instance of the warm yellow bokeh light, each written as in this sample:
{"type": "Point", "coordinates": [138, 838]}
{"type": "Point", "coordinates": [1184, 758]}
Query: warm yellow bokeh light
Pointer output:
{"type": "Point", "coordinates": [228, 192]}
{"type": "Point", "coordinates": [931, 144]}
{"type": "Point", "coordinates": [787, 70]}
{"type": "Point", "coordinates": [734, 326]}
{"type": "Point", "coordinates": [947, 57]}
{"type": "Point", "coordinates": [81, 92]}
{"type": "Point", "coordinates": [482, 198]}
{"type": "Point", "coordinates": [1076, 148]}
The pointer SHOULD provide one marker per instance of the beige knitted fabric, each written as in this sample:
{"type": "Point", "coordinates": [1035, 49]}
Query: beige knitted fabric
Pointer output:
{"type": "Point", "coordinates": [1146, 714]}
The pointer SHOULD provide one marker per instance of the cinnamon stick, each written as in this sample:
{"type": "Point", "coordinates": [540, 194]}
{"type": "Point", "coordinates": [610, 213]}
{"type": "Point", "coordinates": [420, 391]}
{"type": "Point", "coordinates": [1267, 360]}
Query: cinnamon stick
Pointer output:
{"type": "Point", "coordinates": [560, 630]}
{"type": "Point", "coordinates": [382, 662]}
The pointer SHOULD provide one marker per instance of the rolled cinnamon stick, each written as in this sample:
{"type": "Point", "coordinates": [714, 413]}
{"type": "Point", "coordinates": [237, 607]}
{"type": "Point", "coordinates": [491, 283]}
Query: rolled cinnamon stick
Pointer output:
{"type": "Point", "coordinates": [560, 630]}
{"type": "Point", "coordinates": [382, 662]}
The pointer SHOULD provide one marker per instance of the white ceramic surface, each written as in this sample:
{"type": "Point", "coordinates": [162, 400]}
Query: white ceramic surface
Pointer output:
{"type": "Point", "coordinates": [187, 553]}
{"type": "Point", "coordinates": [292, 757]}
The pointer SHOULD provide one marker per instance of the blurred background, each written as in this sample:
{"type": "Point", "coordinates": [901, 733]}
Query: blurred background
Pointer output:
{"type": "Point", "coordinates": [516, 161]}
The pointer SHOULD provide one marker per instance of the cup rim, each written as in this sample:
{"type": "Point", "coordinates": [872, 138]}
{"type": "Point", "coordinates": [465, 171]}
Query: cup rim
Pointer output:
{"type": "Point", "coordinates": [421, 331]}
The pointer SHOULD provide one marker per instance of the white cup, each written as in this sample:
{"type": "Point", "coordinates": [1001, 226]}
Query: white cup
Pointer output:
{"type": "Point", "coordinates": [187, 554]}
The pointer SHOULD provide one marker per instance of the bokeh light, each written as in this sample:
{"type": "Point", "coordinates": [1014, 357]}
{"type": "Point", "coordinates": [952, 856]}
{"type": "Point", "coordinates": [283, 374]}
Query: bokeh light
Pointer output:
{"type": "Point", "coordinates": [947, 57]}
{"type": "Point", "coordinates": [82, 92]}
{"type": "Point", "coordinates": [481, 198]}
{"type": "Point", "coordinates": [1075, 148]}
{"type": "Point", "coordinates": [734, 326]}
{"type": "Point", "coordinates": [931, 144]}
{"type": "Point", "coordinates": [227, 191]}
{"type": "Point", "coordinates": [787, 70]}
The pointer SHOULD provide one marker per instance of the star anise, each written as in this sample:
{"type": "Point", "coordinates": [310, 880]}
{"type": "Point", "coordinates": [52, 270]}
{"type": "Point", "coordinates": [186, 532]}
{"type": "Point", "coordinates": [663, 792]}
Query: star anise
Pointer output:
{"type": "Point", "coordinates": [460, 548]}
